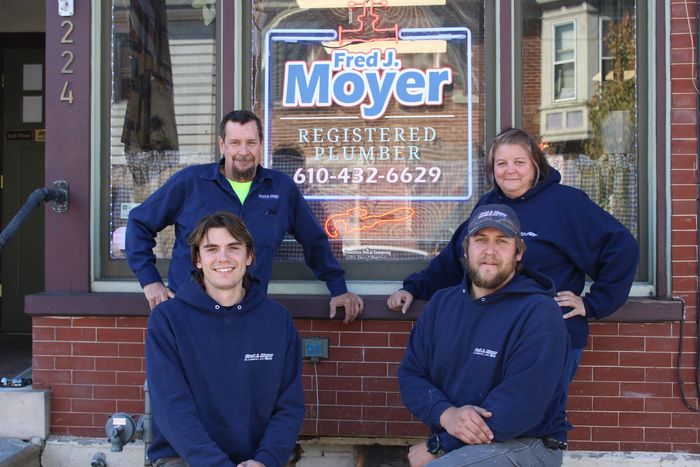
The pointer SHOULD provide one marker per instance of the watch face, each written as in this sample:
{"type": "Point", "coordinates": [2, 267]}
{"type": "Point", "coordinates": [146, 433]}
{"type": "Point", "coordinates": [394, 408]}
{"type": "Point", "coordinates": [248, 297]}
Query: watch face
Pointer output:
{"type": "Point", "coordinates": [433, 444]}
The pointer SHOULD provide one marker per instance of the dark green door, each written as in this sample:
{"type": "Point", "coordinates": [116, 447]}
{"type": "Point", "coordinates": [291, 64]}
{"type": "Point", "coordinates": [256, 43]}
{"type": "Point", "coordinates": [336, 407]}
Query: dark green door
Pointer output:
{"type": "Point", "coordinates": [22, 172]}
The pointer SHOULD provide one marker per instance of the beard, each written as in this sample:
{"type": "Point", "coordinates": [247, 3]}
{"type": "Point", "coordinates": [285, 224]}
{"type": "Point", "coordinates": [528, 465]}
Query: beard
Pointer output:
{"type": "Point", "coordinates": [505, 272]}
{"type": "Point", "coordinates": [243, 175]}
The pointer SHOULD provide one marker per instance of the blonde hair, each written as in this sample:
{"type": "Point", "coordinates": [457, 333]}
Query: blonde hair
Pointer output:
{"type": "Point", "coordinates": [524, 140]}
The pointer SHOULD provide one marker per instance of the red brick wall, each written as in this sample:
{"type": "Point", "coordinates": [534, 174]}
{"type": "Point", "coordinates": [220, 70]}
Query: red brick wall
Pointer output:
{"type": "Point", "coordinates": [532, 74]}
{"type": "Point", "coordinates": [624, 396]}
{"type": "Point", "coordinates": [94, 366]}
{"type": "Point", "coordinates": [358, 392]}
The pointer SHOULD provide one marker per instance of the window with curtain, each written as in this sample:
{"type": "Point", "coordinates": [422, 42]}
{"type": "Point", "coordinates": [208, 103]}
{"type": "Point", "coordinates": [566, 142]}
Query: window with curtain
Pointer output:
{"type": "Point", "coordinates": [162, 107]}
{"type": "Point", "coordinates": [593, 55]}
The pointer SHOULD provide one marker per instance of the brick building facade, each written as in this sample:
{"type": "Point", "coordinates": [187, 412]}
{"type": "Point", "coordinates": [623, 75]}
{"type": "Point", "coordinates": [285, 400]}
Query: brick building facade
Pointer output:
{"type": "Point", "coordinates": [625, 395]}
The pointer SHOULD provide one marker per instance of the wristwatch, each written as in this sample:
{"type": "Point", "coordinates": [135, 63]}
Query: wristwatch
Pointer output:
{"type": "Point", "coordinates": [434, 445]}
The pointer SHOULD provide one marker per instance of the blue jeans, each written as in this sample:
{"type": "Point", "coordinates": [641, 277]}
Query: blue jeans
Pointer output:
{"type": "Point", "coordinates": [170, 462]}
{"type": "Point", "coordinates": [518, 451]}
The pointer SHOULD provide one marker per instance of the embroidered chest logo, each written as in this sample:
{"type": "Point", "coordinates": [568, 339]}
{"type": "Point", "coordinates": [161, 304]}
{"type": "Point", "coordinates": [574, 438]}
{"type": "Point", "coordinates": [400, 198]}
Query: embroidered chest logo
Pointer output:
{"type": "Point", "coordinates": [485, 352]}
{"type": "Point", "coordinates": [256, 357]}
{"type": "Point", "coordinates": [269, 196]}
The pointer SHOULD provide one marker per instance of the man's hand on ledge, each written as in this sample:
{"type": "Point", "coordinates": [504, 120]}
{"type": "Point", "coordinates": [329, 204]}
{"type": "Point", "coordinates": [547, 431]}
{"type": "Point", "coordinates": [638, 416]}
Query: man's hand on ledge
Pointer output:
{"type": "Point", "coordinates": [352, 304]}
{"type": "Point", "coordinates": [400, 300]}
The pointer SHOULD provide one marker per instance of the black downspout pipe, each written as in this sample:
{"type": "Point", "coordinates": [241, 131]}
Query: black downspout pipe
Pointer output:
{"type": "Point", "coordinates": [58, 195]}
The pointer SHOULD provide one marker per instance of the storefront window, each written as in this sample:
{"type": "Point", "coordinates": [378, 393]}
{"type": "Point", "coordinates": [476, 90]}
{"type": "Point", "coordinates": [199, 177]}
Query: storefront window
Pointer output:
{"type": "Point", "coordinates": [590, 52]}
{"type": "Point", "coordinates": [376, 111]}
{"type": "Point", "coordinates": [163, 105]}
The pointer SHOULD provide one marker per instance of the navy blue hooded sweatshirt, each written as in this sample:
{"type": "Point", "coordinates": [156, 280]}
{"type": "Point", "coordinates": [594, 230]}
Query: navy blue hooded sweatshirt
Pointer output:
{"type": "Point", "coordinates": [504, 352]}
{"type": "Point", "coordinates": [568, 236]}
{"type": "Point", "coordinates": [225, 383]}
{"type": "Point", "coordinates": [274, 206]}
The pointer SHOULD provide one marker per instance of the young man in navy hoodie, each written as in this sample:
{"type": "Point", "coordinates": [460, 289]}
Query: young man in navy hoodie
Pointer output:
{"type": "Point", "coordinates": [484, 363]}
{"type": "Point", "coordinates": [223, 361]}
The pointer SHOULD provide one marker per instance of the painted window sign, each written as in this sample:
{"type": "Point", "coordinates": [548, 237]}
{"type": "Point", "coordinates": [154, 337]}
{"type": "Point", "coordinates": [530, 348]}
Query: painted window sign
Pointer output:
{"type": "Point", "coordinates": [368, 80]}
{"type": "Point", "coordinates": [371, 97]}
{"type": "Point", "coordinates": [372, 109]}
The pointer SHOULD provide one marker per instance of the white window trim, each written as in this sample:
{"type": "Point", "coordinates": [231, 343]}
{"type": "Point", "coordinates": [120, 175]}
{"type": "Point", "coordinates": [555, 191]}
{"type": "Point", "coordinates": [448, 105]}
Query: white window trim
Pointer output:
{"type": "Point", "coordinates": [555, 62]}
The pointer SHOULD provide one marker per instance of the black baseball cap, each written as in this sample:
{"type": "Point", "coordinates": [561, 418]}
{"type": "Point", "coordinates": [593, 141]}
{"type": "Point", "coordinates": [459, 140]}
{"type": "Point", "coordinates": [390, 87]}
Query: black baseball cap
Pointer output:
{"type": "Point", "coordinates": [498, 216]}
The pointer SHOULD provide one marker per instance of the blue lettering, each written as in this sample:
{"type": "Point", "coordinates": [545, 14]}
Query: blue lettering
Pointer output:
{"type": "Point", "coordinates": [410, 87]}
{"type": "Point", "coordinates": [380, 90]}
{"type": "Point", "coordinates": [348, 88]}
{"type": "Point", "coordinates": [437, 80]}
{"type": "Point", "coordinates": [338, 58]}
{"type": "Point", "coordinates": [389, 60]}
{"type": "Point", "coordinates": [372, 59]}
{"type": "Point", "coordinates": [371, 87]}
{"type": "Point", "coordinates": [304, 88]}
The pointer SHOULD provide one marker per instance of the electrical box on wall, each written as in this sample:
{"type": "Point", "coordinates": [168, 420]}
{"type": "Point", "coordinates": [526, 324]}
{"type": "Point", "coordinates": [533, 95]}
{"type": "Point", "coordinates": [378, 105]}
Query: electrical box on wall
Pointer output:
{"type": "Point", "coordinates": [314, 348]}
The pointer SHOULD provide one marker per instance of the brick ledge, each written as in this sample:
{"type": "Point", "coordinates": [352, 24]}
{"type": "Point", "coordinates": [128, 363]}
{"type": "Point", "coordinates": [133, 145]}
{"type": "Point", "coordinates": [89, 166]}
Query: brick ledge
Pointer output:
{"type": "Point", "coordinates": [636, 310]}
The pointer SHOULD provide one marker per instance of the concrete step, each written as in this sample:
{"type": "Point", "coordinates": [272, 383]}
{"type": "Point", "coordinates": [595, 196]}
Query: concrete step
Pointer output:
{"type": "Point", "coordinates": [15, 452]}
{"type": "Point", "coordinates": [24, 413]}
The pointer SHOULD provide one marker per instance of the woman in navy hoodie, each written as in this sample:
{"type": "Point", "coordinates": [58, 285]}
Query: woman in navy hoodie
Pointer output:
{"type": "Point", "coordinates": [568, 237]}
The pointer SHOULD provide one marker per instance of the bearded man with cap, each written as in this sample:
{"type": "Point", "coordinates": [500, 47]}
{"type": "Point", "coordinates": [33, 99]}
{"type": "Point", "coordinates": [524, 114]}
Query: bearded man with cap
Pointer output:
{"type": "Point", "coordinates": [484, 363]}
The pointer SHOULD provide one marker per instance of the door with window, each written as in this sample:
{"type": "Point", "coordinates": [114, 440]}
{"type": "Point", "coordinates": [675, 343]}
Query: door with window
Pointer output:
{"type": "Point", "coordinates": [22, 173]}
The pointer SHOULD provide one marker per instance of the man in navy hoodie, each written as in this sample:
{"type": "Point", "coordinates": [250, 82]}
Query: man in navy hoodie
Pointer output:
{"type": "Point", "coordinates": [223, 361]}
{"type": "Point", "coordinates": [267, 200]}
{"type": "Point", "coordinates": [484, 363]}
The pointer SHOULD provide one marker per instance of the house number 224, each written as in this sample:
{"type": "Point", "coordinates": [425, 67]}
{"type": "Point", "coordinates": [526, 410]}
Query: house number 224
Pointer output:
{"type": "Point", "coordinates": [67, 55]}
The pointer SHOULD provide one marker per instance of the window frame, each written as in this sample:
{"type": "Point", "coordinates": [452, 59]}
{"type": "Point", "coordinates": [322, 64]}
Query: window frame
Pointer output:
{"type": "Point", "coordinates": [556, 63]}
{"type": "Point", "coordinates": [653, 141]}
{"type": "Point", "coordinates": [109, 275]}
{"type": "Point", "coordinates": [122, 280]}
{"type": "Point", "coordinates": [601, 47]}
{"type": "Point", "coordinates": [503, 113]}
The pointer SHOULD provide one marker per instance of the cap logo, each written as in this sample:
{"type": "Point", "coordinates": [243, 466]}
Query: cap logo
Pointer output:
{"type": "Point", "coordinates": [491, 214]}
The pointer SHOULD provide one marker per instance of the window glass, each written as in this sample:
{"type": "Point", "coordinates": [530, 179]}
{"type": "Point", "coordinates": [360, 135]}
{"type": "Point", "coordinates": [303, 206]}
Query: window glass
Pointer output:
{"type": "Point", "coordinates": [589, 125]}
{"type": "Point", "coordinates": [564, 64]}
{"type": "Point", "coordinates": [162, 112]}
{"type": "Point", "coordinates": [377, 113]}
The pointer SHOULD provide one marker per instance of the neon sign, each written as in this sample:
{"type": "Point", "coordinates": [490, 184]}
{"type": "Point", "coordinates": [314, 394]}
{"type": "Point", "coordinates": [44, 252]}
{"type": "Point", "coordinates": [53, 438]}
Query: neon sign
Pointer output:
{"type": "Point", "coordinates": [343, 222]}
{"type": "Point", "coordinates": [367, 10]}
